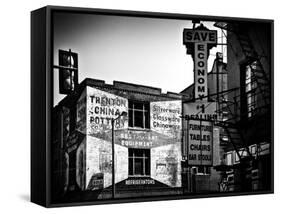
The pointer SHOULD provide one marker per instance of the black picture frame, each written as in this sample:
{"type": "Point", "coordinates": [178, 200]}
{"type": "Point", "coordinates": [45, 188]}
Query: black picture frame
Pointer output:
{"type": "Point", "coordinates": [42, 101]}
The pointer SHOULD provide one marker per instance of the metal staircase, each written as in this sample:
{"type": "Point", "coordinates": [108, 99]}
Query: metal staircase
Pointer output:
{"type": "Point", "coordinates": [251, 56]}
{"type": "Point", "coordinates": [232, 125]}
{"type": "Point", "coordinates": [260, 76]}
{"type": "Point", "coordinates": [231, 128]}
{"type": "Point", "coordinates": [232, 139]}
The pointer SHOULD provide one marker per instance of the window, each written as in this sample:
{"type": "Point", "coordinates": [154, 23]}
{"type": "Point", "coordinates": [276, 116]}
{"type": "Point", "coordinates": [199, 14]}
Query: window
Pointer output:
{"type": "Point", "coordinates": [253, 149]}
{"type": "Point", "coordinates": [251, 89]}
{"type": "Point", "coordinates": [139, 114]}
{"type": "Point", "coordinates": [139, 162]}
{"type": "Point", "coordinates": [229, 158]}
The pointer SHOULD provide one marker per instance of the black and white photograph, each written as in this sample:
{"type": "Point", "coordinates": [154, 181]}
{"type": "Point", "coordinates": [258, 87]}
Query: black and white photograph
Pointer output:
{"type": "Point", "coordinates": [147, 106]}
{"type": "Point", "coordinates": [138, 107]}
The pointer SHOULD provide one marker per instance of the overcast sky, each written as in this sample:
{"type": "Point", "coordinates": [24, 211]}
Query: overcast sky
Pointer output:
{"type": "Point", "coordinates": [136, 50]}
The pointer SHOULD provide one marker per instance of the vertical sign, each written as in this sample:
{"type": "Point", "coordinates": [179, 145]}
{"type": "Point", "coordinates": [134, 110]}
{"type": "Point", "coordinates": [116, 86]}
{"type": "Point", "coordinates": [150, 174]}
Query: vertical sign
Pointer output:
{"type": "Point", "coordinates": [200, 71]}
{"type": "Point", "coordinates": [198, 42]}
{"type": "Point", "coordinates": [102, 107]}
{"type": "Point", "coordinates": [199, 130]}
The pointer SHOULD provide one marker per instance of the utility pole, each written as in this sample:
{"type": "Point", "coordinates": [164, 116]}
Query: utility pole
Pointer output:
{"type": "Point", "coordinates": [113, 160]}
{"type": "Point", "coordinates": [123, 114]}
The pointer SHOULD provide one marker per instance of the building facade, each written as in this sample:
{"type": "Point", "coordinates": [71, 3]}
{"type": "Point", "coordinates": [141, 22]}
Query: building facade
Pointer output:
{"type": "Point", "coordinates": [248, 119]}
{"type": "Point", "coordinates": [147, 140]}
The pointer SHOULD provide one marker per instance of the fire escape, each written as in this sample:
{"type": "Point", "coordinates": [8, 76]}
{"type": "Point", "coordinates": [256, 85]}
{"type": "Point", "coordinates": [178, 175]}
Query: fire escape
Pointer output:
{"type": "Point", "coordinates": [230, 106]}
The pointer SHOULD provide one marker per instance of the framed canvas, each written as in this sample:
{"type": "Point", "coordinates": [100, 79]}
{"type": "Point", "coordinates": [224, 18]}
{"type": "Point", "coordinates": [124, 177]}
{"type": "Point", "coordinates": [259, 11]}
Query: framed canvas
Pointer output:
{"type": "Point", "coordinates": [133, 106]}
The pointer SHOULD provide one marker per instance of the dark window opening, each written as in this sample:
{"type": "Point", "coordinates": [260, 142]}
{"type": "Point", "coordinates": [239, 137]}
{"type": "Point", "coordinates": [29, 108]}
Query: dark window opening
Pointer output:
{"type": "Point", "coordinates": [139, 162]}
{"type": "Point", "coordinates": [139, 115]}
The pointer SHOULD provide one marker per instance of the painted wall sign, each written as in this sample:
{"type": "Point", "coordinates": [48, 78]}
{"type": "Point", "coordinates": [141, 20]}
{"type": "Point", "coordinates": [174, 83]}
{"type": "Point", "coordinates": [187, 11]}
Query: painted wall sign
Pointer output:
{"type": "Point", "coordinates": [136, 139]}
{"type": "Point", "coordinates": [163, 139]}
{"type": "Point", "coordinates": [165, 117]}
{"type": "Point", "coordinates": [142, 139]}
{"type": "Point", "coordinates": [200, 143]}
{"type": "Point", "coordinates": [147, 181]}
{"type": "Point", "coordinates": [101, 108]}
{"type": "Point", "coordinates": [95, 109]}
{"type": "Point", "coordinates": [96, 182]}
{"type": "Point", "coordinates": [166, 162]}
{"type": "Point", "coordinates": [99, 160]}
{"type": "Point", "coordinates": [166, 156]}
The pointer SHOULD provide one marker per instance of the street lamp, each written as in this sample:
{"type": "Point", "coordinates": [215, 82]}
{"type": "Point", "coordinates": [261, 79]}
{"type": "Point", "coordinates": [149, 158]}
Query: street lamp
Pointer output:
{"type": "Point", "coordinates": [123, 114]}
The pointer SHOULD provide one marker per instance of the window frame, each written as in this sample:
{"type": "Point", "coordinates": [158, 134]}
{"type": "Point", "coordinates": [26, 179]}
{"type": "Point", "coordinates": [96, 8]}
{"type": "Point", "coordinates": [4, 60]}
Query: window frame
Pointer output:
{"type": "Point", "coordinates": [146, 167]}
{"type": "Point", "coordinates": [145, 114]}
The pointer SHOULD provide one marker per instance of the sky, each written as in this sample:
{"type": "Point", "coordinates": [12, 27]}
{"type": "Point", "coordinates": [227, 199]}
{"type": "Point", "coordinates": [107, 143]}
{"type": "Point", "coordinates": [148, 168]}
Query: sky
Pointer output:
{"type": "Point", "coordinates": [146, 51]}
